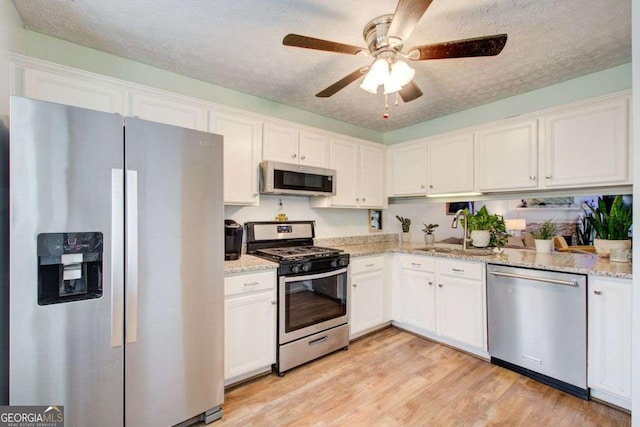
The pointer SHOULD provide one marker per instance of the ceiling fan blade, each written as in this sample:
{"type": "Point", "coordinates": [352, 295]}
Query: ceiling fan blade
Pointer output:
{"type": "Point", "coordinates": [478, 46]}
{"type": "Point", "coordinates": [306, 42]}
{"type": "Point", "coordinates": [342, 83]}
{"type": "Point", "coordinates": [407, 15]}
{"type": "Point", "coordinates": [410, 91]}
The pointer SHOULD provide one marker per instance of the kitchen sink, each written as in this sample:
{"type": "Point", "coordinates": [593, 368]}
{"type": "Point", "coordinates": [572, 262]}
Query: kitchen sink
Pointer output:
{"type": "Point", "coordinates": [455, 251]}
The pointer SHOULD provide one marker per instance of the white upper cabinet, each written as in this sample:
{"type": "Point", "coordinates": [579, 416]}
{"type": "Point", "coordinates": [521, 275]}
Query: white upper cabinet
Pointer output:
{"type": "Point", "coordinates": [288, 144]}
{"type": "Point", "coordinates": [242, 144]}
{"type": "Point", "coordinates": [72, 89]}
{"type": "Point", "coordinates": [450, 164]}
{"type": "Point", "coordinates": [168, 109]}
{"type": "Point", "coordinates": [360, 175]}
{"type": "Point", "coordinates": [586, 145]}
{"type": "Point", "coordinates": [408, 169]}
{"type": "Point", "coordinates": [372, 176]}
{"type": "Point", "coordinates": [507, 156]}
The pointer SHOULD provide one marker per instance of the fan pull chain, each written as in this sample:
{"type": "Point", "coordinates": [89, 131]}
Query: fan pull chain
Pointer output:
{"type": "Point", "coordinates": [386, 108]}
{"type": "Point", "coordinates": [396, 99]}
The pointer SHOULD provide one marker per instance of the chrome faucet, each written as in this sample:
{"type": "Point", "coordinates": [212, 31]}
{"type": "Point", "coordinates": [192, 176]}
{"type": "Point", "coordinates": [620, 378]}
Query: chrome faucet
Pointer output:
{"type": "Point", "coordinates": [454, 224]}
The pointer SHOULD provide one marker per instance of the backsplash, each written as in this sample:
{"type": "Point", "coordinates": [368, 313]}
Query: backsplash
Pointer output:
{"type": "Point", "coordinates": [357, 240]}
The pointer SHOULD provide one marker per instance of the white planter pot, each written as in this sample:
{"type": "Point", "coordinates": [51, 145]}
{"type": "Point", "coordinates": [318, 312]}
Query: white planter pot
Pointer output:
{"type": "Point", "coordinates": [429, 239]}
{"type": "Point", "coordinates": [544, 246]}
{"type": "Point", "coordinates": [480, 238]}
{"type": "Point", "coordinates": [405, 237]}
{"type": "Point", "coordinates": [603, 247]}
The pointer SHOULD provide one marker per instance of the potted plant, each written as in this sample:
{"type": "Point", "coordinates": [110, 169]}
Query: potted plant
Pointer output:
{"type": "Point", "coordinates": [486, 229]}
{"type": "Point", "coordinates": [611, 225]}
{"type": "Point", "coordinates": [544, 235]}
{"type": "Point", "coordinates": [406, 225]}
{"type": "Point", "coordinates": [429, 237]}
{"type": "Point", "coordinates": [584, 229]}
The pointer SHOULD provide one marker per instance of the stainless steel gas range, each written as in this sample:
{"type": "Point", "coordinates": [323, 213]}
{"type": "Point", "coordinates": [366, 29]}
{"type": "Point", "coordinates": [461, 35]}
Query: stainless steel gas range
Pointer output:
{"type": "Point", "coordinates": [313, 291]}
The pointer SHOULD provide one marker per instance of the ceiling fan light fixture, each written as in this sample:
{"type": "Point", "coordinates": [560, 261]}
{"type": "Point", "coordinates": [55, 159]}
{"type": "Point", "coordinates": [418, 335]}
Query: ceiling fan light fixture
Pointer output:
{"type": "Point", "coordinates": [379, 71]}
{"type": "Point", "coordinates": [369, 84]}
{"type": "Point", "coordinates": [390, 86]}
{"type": "Point", "coordinates": [401, 73]}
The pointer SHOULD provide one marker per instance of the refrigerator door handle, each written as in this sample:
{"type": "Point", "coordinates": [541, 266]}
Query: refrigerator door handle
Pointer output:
{"type": "Point", "coordinates": [131, 301]}
{"type": "Point", "coordinates": [117, 257]}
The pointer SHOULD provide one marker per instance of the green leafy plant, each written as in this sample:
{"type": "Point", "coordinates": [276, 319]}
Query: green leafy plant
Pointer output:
{"type": "Point", "coordinates": [613, 223]}
{"type": "Point", "coordinates": [429, 228]}
{"type": "Point", "coordinates": [405, 222]}
{"type": "Point", "coordinates": [584, 229]}
{"type": "Point", "coordinates": [545, 232]}
{"type": "Point", "coordinates": [494, 223]}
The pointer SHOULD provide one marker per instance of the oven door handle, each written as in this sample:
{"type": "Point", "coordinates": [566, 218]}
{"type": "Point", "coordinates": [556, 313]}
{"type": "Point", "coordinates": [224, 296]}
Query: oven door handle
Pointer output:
{"type": "Point", "coordinates": [314, 276]}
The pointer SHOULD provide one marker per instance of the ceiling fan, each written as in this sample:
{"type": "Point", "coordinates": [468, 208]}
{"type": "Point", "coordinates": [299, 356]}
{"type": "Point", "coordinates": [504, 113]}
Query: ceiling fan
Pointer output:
{"type": "Point", "coordinates": [385, 36]}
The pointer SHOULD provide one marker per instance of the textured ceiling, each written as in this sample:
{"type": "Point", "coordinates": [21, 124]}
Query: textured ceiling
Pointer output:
{"type": "Point", "coordinates": [238, 44]}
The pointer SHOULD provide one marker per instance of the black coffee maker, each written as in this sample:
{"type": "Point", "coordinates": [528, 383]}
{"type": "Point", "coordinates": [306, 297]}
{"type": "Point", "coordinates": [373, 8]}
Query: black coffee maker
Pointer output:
{"type": "Point", "coordinates": [232, 240]}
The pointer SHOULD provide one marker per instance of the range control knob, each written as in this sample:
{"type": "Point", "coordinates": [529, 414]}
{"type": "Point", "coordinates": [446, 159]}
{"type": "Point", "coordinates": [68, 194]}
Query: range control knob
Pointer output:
{"type": "Point", "coordinates": [334, 263]}
{"type": "Point", "coordinates": [343, 262]}
{"type": "Point", "coordinates": [295, 268]}
{"type": "Point", "coordinates": [306, 267]}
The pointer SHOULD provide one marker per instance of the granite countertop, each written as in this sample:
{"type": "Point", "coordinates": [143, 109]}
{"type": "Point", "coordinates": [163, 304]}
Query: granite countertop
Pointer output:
{"type": "Point", "coordinates": [564, 262]}
{"type": "Point", "coordinates": [248, 263]}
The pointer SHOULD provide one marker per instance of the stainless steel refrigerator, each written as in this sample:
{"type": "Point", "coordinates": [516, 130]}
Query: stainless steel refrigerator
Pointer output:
{"type": "Point", "coordinates": [116, 281]}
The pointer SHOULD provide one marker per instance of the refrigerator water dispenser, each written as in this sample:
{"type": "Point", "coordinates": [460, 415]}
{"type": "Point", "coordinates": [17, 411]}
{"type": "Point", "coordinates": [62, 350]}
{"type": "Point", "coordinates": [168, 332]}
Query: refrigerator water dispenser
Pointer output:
{"type": "Point", "coordinates": [69, 267]}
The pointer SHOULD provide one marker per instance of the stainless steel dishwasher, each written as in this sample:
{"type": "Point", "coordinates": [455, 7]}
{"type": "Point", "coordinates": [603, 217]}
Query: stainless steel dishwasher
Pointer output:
{"type": "Point", "coordinates": [538, 325]}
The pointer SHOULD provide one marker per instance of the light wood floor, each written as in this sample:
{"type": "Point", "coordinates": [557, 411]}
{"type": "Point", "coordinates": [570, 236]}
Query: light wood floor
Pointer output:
{"type": "Point", "coordinates": [393, 378]}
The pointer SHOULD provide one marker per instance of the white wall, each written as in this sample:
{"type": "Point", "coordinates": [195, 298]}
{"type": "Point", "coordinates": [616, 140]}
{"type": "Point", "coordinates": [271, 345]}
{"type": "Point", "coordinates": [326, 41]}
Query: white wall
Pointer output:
{"type": "Point", "coordinates": [11, 40]}
{"type": "Point", "coordinates": [329, 222]}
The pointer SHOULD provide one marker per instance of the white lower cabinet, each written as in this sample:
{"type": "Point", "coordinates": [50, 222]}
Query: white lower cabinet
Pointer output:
{"type": "Point", "coordinates": [250, 325]}
{"type": "Point", "coordinates": [367, 295]}
{"type": "Point", "coordinates": [442, 299]}
{"type": "Point", "coordinates": [609, 338]}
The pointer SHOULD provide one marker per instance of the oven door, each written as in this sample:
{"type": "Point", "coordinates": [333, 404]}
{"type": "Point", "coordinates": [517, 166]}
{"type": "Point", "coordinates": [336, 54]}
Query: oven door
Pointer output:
{"type": "Point", "coordinates": [311, 303]}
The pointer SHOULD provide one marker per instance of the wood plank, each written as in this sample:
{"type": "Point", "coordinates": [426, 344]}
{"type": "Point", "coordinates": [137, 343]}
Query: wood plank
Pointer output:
{"type": "Point", "coordinates": [393, 378]}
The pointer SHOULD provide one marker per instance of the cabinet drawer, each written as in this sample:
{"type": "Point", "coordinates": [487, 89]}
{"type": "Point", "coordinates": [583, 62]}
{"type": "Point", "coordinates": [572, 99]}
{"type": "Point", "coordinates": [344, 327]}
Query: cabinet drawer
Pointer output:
{"type": "Point", "coordinates": [366, 264]}
{"type": "Point", "coordinates": [246, 283]}
{"type": "Point", "coordinates": [467, 270]}
{"type": "Point", "coordinates": [421, 263]}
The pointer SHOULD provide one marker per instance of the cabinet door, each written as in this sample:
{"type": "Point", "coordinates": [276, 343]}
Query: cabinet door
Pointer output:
{"type": "Point", "coordinates": [372, 173]}
{"type": "Point", "coordinates": [314, 149]}
{"type": "Point", "coordinates": [408, 170]}
{"type": "Point", "coordinates": [250, 333]}
{"type": "Point", "coordinates": [280, 143]}
{"type": "Point", "coordinates": [609, 326]}
{"type": "Point", "coordinates": [587, 145]}
{"type": "Point", "coordinates": [450, 165]}
{"type": "Point", "coordinates": [72, 90]}
{"type": "Point", "coordinates": [418, 299]}
{"type": "Point", "coordinates": [507, 156]}
{"type": "Point", "coordinates": [242, 142]}
{"type": "Point", "coordinates": [459, 305]}
{"type": "Point", "coordinates": [367, 303]}
{"type": "Point", "coordinates": [167, 110]}
{"type": "Point", "coordinates": [344, 159]}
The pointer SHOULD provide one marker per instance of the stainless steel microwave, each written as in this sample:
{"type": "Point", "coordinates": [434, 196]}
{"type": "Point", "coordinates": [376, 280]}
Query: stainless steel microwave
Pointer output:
{"type": "Point", "coordinates": [296, 180]}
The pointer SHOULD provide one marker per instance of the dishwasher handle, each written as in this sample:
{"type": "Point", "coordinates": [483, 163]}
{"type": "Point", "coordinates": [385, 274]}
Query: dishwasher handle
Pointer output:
{"type": "Point", "coordinates": [534, 278]}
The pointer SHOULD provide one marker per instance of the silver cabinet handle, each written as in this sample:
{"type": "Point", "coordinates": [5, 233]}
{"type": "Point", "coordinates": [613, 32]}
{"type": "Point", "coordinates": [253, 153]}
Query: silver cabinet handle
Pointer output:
{"type": "Point", "coordinates": [117, 257]}
{"type": "Point", "coordinates": [255, 194]}
{"type": "Point", "coordinates": [536, 279]}
{"type": "Point", "coordinates": [319, 340]}
{"type": "Point", "coordinates": [415, 264]}
{"type": "Point", "coordinates": [430, 283]}
{"type": "Point", "coordinates": [458, 270]}
{"type": "Point", "coordinates": [355, 285]}
{"type": "Point", "coordinates": [423, 186]}
{"type": "Point", "coordinates": [440, 285]}
{"type": "Point", "coordinates": [364, 200]}
{"type": "Point", "coordinates": [131, 300]}
{"type": "Point", "coordinates": [548, 176]}
{"type": "Point", "coordinates": [369, 265]}
{"type": "Point", "coordinates": [303, 157]}
{"type": "Point", "coordinates": [532, 177]}
{"type": "Point", "coordinates": [294, 155]}
{"type": "Point", "coordinates": [357, 199]}
{"type": "Point", "coordinates": [430, 185]}
{"type": "Point", "coordinates": [597, 292]}
{"type": "Point", "coordinates": [251, 284]}
{"type": "Point", "coordinates": [273, 303]}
